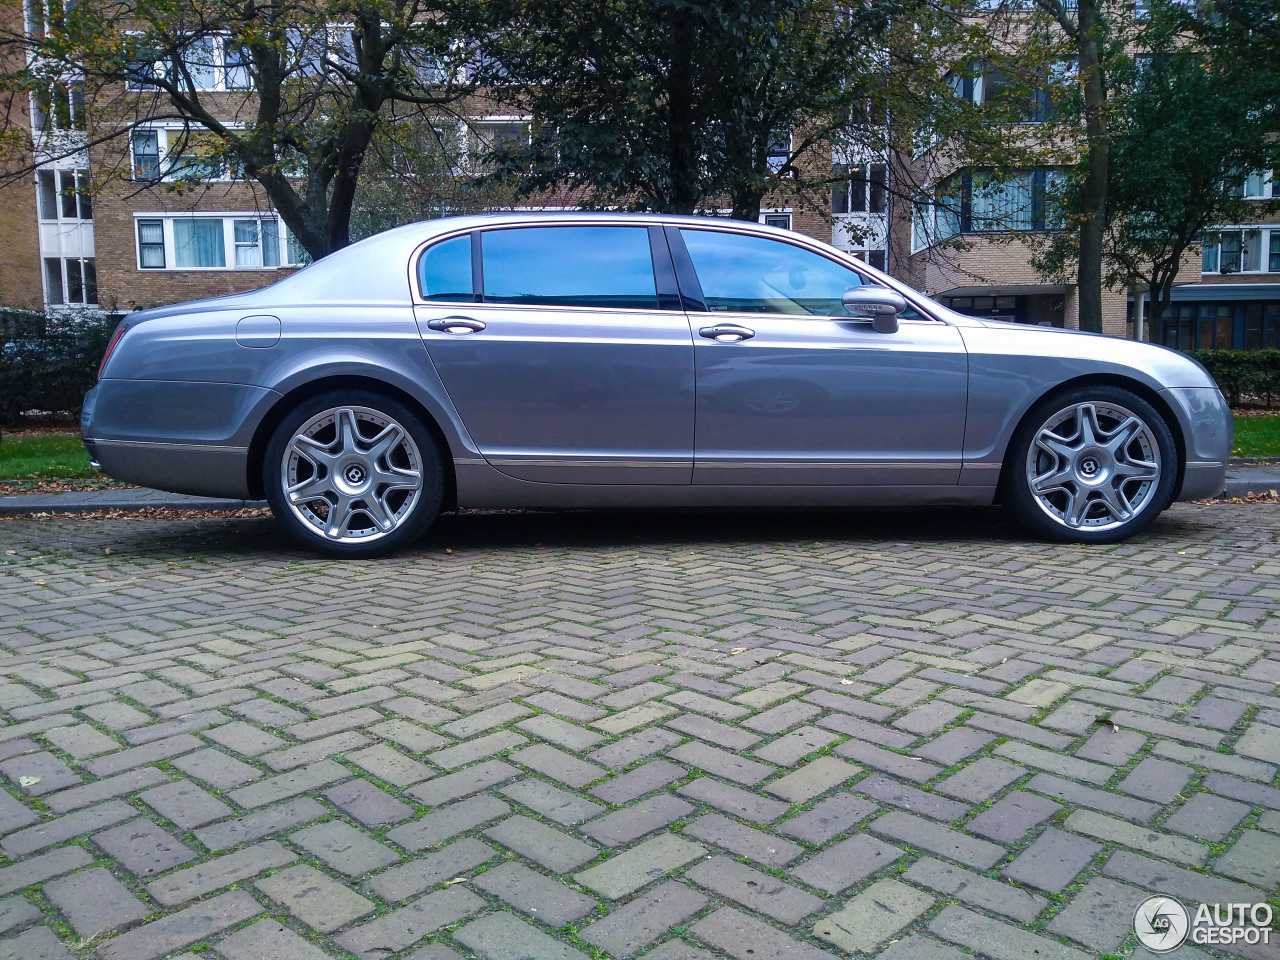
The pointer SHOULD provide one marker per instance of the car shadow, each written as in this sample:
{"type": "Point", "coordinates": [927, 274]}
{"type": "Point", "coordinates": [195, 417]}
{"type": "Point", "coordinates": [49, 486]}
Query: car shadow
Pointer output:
{"type": "Point", "coordinates": [473, 531]}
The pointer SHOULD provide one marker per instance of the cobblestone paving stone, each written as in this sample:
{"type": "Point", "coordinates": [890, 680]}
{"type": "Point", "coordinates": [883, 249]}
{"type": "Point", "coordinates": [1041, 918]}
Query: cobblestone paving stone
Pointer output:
{"type": "Point", "coordinates": [909, 736]}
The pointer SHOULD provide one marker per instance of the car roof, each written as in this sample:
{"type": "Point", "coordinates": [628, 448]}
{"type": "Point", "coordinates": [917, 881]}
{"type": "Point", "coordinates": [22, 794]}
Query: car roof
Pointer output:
{"type": "Point", "coordinates": [379, 261]}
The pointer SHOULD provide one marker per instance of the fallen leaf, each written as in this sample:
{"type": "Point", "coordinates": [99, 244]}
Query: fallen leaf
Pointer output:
{"type": "Point", "coordinates": [450, 883]}
{"type": "Point", "coordinates": [28, 781]}
{"type": "Point", "coordinates": [11, 553]}
{"type": "Point", "coordinates": [846, 681]}
{"type": "Point", "coordinates": [109, 551]}
{"type": "Point", "coordinates": [737, 650]}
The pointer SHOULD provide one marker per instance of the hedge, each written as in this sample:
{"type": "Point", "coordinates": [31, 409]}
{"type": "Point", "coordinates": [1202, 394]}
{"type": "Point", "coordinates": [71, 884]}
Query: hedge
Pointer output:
{"type": "Point", "coordinates": [1243, 374]}
{"type": "Point", "coordinates": [48, 361]}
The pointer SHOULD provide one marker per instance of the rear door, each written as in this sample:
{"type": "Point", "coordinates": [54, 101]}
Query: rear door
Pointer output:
{"type": "Point", "coordinates": [564, 350]}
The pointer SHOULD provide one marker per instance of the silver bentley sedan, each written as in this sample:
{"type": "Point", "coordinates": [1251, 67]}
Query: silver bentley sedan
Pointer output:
{"type": "Point", "coordinates": [612, 360]}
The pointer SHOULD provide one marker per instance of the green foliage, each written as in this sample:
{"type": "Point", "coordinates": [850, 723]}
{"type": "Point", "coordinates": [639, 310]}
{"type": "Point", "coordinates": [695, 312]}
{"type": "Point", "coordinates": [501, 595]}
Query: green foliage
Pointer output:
{"type": "Point", "coordinates": [49, 361]}
{"type": "Point", "coordinates": [1188, 123]}
{"type": "Point", "coordinates": [674, 105]}
{"type": "Point", "coordinates": [1243, 374]}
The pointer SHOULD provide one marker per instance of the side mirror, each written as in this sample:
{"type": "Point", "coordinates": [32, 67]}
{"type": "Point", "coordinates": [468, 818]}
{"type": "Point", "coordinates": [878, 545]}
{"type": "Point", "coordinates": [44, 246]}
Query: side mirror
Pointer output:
{"type": "Point", "coordinates": [881, 304]}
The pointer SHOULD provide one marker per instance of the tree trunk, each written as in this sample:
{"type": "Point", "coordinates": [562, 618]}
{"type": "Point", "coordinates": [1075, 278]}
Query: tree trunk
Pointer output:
{"type": "Point", "coordinates": [682, 148]}
{"type": "Point", "coordinates": [1094, 198]}
{"type": "Point", "coordinates": [746, 204]}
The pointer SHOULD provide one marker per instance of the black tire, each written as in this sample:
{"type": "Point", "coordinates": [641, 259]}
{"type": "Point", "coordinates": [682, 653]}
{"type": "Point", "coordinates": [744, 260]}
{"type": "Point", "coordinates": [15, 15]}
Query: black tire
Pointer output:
{"type": "Point", "coordinates": [360, 536]}
{"type": "Point", "coordinates": [1092, 469]}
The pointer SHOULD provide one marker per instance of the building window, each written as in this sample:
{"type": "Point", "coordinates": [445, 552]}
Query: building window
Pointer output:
{"type": "Point", "coordinates": [198, 243]}
{"type": "Point", "coordinates": [1262, 326]}
{"type": "Point", "coordinates": [180, 153]}
{"type": "Point", "coordinates": [875, 258]}
{"type": "Point", "coordinates": [47, 194]}
{"type": "Point", "coordinates": [780, 220]}
{"type": "Point", "coordinates": [151, 244]}
{"type": "Point", "coordinates": [779, 150]}
{"type": "Point", "coordinates": [977, 202]}
{"type": "Point", "coordinates": [211, 62]}
{"type": "Point", "coordinates": [1240, 251]}
{"type": "Point", "coordinates": [146, 155]}
{"type": "Point", "coordinates": [1022, 100]}
{"type": "Point", "coordinates": [63, 195]}
{"type": "Point", "coordinates": [59, 108]}
{"type": "Point", "coordinates": [229, 242]}
{"type": "Point", "coordinates": [859, 188]}
{"type": "Point", "coordinates": [257, 243]}
{"type": "Point", "coordinates": [491, 140]}
{"type": "Point", "coordinates": [71, 282]}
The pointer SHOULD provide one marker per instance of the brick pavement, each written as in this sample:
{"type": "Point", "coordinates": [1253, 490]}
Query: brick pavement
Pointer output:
{"type": "Point", "coordinates": [679, 737]}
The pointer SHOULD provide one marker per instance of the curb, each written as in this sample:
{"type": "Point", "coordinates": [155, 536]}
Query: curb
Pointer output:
{"type": "Point", "coordinates": [45, 505]}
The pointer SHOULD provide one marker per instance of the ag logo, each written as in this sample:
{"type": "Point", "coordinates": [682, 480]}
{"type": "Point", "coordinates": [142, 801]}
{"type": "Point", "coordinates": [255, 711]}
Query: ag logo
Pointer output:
{"type": "Point", "coordinates": [1161, 924]}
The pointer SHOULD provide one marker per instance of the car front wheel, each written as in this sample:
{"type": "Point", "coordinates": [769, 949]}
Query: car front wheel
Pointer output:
{"type": "Point", "coordinates": [1094, 465]}
{"type": "Point", "coordinates": [353, 474]}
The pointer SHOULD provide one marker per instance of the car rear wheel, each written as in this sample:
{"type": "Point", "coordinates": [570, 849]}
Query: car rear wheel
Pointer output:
{"type": "Point", "coordinates": [353, 474]}
{"type": "Point", "coordinates": [1094, 465]}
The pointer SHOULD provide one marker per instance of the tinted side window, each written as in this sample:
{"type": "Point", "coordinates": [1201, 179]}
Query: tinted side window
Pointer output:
{"type": "Point", "coordinates": [606, 267]}
{"type": "Point", "coordinates": [444, 271]}
{"type": "Point", "coordinates": [749, 274]}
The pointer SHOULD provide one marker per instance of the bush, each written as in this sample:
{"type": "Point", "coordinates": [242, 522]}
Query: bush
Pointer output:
{"type": "Point", "coordinates": [1243, 374]}
{"type": "Point", "coordinates": [49, 361]}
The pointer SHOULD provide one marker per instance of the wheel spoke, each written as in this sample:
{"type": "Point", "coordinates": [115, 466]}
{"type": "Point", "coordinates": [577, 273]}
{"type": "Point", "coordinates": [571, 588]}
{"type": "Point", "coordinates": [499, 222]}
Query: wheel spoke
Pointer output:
{"type": "Point", "coordinates": [1087, 423]}
{"type": "Point", "coordinates": [385, 442]}
{"type": "Point", "coordinates": [1115, 501]}
{"type": "Point", "coordinates": [318, 454]}
{"type": "Point", "coordinates": [1077, 507]}
{"type": "Point", "coordinates": [1061, 447]}
{"type": "Point", "coordinates": [1052, 481]}
{"type": "Point", "coordinates": [339, 513]}
{"type": "Point", "coordinates": [1126, 470]}
{"type": "Point", "coordinates": [397, 478]}
{"type": "Point", "coordinates": [377, 510]}
{"type": "Point", "coordinates": [313, 488]}
{"type": "Point", "coordinates": [348, 439]}
{"type": "Point", "coordinates": [1118, 440]}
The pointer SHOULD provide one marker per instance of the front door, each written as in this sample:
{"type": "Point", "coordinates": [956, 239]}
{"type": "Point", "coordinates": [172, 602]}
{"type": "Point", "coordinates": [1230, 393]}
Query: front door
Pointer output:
{"type": "Point", "coordinates": [569, 367]}
{"type": "Point", "coordinates": [792, 390]}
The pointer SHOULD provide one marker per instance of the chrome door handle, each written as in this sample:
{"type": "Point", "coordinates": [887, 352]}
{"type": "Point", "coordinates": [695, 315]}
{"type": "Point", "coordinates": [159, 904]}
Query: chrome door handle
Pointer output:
{"type": "Point", "coordinates": [457, 325]}
{"type": "Point", "coordinates": [727, 333]}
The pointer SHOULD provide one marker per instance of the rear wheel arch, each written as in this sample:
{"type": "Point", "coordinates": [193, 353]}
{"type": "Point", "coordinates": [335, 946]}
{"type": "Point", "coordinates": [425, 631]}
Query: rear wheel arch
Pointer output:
{"type": "Point", "coordinates": [314, 388]}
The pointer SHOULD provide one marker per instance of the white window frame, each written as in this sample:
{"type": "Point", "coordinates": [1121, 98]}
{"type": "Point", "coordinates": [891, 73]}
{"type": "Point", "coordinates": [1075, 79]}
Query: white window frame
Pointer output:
{"type": "Point", "coordinates": [1265, 235]}
{"type": "Point", "coordinates": [80, 187]}
{"type": "Point", "coordinates": [64, 287]}
{"type": "Point", "coordinates": [220, 71]}
{"type": "Point", "coordinates": [167, 133]}
{"type": "Point", "coordinates": [228, 219]}
{"type": "Point", "coordinates": [1266, 181]}
{"type": "Point", "coordinates": [469, 132]}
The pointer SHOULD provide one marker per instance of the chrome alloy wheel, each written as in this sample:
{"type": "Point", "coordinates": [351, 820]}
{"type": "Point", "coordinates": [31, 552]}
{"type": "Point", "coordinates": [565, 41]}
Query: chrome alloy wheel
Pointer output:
{"type": "Point", "coordinates": [351, 474]}
{"type": "Point", "coordinates": [1093, 466]}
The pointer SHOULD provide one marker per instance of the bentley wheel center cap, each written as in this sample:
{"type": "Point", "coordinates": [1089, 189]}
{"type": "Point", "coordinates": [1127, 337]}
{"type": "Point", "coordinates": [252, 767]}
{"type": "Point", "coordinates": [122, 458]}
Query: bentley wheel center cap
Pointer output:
{"type": "Point", "coordinates": [355, 474]}
{"type": "Point", "coordinates": [1089, 467]}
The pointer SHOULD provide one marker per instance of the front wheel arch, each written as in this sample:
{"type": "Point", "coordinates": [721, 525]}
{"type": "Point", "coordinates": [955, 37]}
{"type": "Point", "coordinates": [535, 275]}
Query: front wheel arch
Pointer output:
{"type": "Point", "coordinates": [1137, 387]}
{"type": "Point", "coordinates": [314, 388]}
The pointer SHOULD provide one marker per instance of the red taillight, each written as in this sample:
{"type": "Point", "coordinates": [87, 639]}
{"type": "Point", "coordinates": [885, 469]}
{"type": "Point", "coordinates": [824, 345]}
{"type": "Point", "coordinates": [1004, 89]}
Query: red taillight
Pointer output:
{"type": "Point", "coordinates": [115, 338]}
